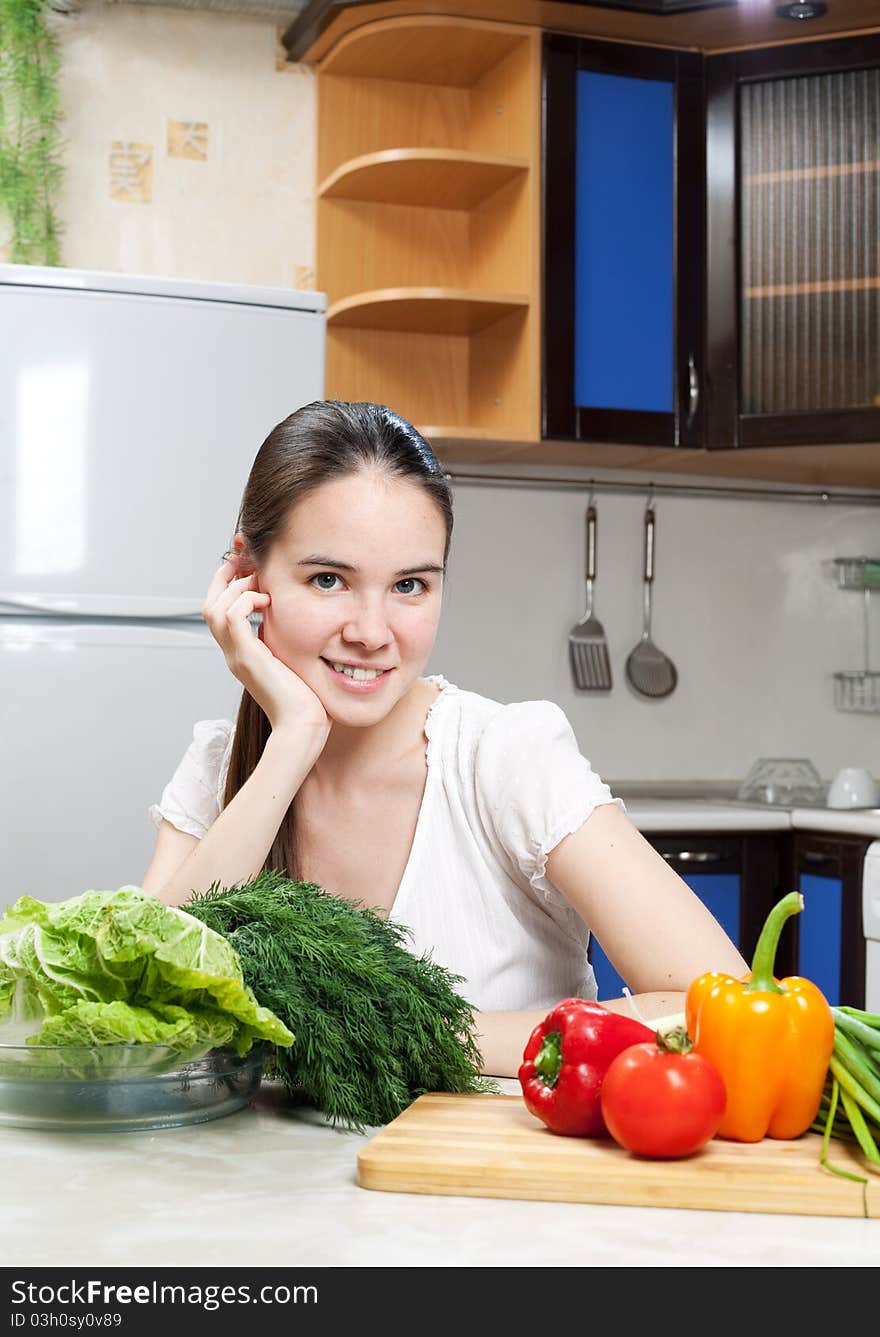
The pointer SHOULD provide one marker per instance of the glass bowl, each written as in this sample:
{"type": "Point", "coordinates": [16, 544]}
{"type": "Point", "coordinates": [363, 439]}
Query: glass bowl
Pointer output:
{"type": "Point", "coordinates": [787, 781]}
{"type": "Point", "coordinates": [122, 1088]}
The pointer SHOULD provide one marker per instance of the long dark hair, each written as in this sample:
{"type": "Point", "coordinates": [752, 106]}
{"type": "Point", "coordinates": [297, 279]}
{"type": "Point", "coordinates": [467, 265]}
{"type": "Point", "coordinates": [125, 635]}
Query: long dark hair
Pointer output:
{"type": "Point", "coordinates": [322, 441]}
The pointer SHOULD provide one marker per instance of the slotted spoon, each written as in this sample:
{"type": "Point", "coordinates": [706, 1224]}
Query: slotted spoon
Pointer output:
{"type": "Point", "coordinates": [649, 671]}
{"type": "Point", "coordinates": [587, 647]}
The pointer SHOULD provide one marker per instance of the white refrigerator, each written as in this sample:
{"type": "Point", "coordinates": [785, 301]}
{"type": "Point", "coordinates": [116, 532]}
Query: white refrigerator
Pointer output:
{"type": "Point", "coordinates": [130, 411]}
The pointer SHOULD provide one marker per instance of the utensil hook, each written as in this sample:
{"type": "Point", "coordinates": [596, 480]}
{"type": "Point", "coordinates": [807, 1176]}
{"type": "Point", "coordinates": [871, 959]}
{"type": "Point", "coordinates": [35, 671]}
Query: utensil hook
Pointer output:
{"type": "Point", "coordinates": [649, 563]}
{"type": "Point", "coordinates": [590, 554]}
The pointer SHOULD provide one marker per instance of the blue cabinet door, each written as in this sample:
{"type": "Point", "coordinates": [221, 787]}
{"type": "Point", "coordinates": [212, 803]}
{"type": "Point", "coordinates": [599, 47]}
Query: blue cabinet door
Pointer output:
{"type": "Point", "coordinates": [819, 927]}
{"type": "Point", "coordinates": [624, 164]}
{"type": "Point", "coordinates": [624, 244]}
{"type": "Point", "coordinates": [719, 892]}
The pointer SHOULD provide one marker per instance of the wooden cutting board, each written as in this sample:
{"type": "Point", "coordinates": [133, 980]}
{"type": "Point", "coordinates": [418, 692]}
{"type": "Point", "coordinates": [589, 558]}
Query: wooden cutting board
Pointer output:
{"type": "Point", "coordinates": [490, 1146]}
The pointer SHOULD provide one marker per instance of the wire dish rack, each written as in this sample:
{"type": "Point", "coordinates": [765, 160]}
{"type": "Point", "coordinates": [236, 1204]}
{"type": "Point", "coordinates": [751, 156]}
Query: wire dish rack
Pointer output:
{"type": "Point", "coordinates": [858, 573]}
{"type": "Point", "coordinates": [859, 689]}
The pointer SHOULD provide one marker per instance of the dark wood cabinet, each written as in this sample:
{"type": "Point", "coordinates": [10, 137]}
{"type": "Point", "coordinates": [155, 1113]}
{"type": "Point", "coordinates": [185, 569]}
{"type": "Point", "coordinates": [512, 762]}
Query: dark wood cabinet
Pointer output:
{"type": "Point", "coordinates": [793, 245]}
{"type": "Point", "coordinates": [744, 214]}
{"type": "Point", "coordinates": [623, 243]}
{"type": "Point", "coordinates": [826, 942]}
{"type": "Point", "coordinates": [740, 876]}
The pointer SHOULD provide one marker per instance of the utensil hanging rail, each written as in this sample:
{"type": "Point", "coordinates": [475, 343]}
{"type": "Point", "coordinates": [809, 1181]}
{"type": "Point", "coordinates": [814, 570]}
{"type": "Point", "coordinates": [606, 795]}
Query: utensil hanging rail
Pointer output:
{"type": "Point", "coordinates": [822, 497]}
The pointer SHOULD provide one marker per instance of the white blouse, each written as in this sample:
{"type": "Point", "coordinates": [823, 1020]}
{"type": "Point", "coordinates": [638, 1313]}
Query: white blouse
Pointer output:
{"type": "Point", "coordinates": [505, 784]}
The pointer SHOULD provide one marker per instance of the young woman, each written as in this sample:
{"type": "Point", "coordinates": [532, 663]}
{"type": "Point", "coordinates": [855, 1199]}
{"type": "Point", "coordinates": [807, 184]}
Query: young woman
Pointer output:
{"type": "Point", "coordinates": [478, 825]}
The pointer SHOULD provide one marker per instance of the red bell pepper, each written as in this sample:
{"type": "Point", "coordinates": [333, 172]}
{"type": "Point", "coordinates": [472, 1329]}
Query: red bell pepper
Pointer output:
{"type": "Point", "coordinates": [565, 1060]}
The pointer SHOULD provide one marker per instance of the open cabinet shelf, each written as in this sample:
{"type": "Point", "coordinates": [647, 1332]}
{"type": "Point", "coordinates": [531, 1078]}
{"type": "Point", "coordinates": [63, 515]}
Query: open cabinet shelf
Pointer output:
{"type": "Point", "coordinates": [430, 49]}
{"type": "Point", "coordinates": [441, 178]}
{"type": "Point", "coordinates": [428, 222]}
{"type": "Point", "coordinates": [424, 310]}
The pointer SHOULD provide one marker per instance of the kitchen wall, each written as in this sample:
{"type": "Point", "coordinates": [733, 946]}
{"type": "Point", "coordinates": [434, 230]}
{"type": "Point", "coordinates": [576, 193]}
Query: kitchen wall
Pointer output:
{"type": "Point", "coordinates": [190, 152]}
{"type": "Point", "coordinates": [189, 146]}
{"type": "Point", "coordinates": [745, 604]}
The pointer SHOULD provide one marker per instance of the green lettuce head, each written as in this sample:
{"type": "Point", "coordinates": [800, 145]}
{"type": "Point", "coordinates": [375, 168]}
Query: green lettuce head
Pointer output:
{"type": "Point", "coordinates": [120, 967]}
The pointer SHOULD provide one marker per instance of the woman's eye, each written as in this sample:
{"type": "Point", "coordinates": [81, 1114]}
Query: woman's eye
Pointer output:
{"type": "Point", "coordinates": [410, 582]}
{"type": "Point", "coordinates": [323, 580]}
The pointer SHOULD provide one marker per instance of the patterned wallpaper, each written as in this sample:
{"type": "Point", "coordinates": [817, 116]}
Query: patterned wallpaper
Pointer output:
{"type": "Point", "coordinates": [189, 146]}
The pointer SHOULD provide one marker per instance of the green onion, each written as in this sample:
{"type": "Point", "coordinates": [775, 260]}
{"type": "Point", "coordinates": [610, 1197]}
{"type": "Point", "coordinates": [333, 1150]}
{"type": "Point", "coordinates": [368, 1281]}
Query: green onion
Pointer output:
{"type": "Point", "coordinates": [853, 1083]}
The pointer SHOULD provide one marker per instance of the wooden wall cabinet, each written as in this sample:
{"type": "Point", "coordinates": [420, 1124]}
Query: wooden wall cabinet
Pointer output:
{"type": "Point", "coordinates": [428, 223]}
{"type": "Point", "coordinates": [436, 217]}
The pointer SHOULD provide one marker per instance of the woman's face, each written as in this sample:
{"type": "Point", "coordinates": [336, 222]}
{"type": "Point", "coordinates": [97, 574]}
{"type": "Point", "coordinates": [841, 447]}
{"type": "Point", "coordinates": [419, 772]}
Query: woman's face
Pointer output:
{"type": "Point", "coordinates": [356, 581]}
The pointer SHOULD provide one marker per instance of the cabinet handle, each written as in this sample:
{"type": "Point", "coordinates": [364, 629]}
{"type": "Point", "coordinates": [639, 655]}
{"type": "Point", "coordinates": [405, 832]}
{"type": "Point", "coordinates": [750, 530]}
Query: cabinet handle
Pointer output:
{"type": "Point", "coordinates": [693, 390]}
{"type": "Point", "coordinates": [693, 856]}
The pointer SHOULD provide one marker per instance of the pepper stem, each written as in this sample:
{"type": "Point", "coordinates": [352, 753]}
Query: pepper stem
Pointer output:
{"type": "Point", "coordinates": [764, 959]}
{"type": "Point", "coordinates": [549, 1059]}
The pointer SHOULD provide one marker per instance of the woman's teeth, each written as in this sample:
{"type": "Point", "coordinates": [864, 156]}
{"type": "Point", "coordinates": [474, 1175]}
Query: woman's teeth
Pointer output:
{"type": "Point", "coordinates": [359, 674]}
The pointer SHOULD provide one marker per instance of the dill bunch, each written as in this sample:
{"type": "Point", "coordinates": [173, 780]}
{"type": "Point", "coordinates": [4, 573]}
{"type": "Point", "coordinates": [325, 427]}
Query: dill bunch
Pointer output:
{"type": "Point", "coordinates": [375, 1025]}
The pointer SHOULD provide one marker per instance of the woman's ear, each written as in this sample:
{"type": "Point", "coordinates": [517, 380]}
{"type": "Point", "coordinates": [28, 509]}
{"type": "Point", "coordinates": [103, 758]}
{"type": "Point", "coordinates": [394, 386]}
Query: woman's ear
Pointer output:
{"type": "Point", "coordinates": [244, 562]}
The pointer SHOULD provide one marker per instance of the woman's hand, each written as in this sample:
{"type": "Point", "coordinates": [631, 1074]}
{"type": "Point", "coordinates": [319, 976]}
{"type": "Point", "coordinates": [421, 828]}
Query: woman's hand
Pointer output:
{"type": "Point", "coordinates": [284, 697]}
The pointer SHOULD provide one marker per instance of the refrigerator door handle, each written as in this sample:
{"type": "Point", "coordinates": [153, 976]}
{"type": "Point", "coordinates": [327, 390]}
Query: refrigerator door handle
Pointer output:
{"type": "Point", "coordinates": [142, 607]}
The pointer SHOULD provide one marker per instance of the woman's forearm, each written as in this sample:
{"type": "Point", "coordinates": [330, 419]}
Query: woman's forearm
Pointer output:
{"type": "Point", "coordinates": [502, 1036]}
{"type": "Point", "coordinates": [235, 847]}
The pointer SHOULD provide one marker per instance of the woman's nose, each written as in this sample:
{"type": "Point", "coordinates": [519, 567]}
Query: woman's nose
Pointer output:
{"type": "Point", "coordinates": [368, 625]}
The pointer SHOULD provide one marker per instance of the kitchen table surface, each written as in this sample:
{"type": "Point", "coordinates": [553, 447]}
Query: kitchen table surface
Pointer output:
{"type": "Point", "coordinates": [275, 1185]}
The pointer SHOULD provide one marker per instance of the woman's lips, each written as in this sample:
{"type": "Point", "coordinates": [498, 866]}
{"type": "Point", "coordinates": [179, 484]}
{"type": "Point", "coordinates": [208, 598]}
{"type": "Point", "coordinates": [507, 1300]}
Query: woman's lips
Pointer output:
{"type": "Point", "coordinates": [358, 685]}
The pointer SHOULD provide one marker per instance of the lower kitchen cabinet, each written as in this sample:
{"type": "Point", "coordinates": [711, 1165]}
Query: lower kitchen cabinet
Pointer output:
{"type": "Point", "coordinates": [735, 876]}
{"type": "Point", "coordinates": [741, 877]}
{"type": "Point", "coordinates": [819, 933]}
{"type": "Point", "coordinates": [826, 941]}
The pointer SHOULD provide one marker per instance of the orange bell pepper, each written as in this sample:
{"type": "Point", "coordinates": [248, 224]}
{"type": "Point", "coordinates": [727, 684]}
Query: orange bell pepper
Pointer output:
{"type": "Point", "coordinates": [770, 1039]}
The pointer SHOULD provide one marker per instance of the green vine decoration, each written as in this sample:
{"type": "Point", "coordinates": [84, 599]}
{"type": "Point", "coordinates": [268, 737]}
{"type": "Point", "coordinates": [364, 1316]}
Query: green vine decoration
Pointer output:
{"type": "Point", "coordinates": [30, 141]}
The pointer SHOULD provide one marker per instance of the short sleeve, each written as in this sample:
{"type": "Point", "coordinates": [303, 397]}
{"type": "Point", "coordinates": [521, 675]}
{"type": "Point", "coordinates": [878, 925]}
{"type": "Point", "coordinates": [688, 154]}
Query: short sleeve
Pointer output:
{"type": "Point", "coordinates": [534, 786]}
{"type": "Point", "coordinates": [191, 799]}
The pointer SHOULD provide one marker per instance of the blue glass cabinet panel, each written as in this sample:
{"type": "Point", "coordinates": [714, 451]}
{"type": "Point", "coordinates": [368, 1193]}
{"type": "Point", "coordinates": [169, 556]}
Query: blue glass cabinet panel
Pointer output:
{"type": "Point", "coordinates": [624, 242]}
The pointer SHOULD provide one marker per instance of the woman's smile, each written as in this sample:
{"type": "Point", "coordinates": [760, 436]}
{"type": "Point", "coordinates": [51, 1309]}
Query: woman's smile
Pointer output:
{"type": "Point", "coordinates": [356, 679]}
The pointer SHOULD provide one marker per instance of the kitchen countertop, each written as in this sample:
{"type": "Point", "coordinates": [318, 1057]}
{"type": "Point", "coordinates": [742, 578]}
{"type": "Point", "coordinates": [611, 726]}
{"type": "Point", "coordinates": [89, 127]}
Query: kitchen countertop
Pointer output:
{"type": "Point", "coordinates": [275, 1186]}
{"type": "Point", "coordinates": [661, 813]}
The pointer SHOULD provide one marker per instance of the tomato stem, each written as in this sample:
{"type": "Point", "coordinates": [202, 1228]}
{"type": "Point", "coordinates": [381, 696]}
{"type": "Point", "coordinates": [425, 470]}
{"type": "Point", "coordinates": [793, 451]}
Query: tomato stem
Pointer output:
{"type": "Point", "coordinates": [674, 1041]}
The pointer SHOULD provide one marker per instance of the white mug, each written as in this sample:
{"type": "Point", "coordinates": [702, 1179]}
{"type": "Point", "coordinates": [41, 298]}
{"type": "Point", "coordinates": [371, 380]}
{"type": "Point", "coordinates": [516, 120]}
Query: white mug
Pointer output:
{"type": "Point", "coordinates": [853, 787]}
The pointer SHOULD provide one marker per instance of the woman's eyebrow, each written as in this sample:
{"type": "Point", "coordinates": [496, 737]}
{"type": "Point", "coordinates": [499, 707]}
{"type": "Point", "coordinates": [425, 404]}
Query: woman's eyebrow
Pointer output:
{"type": "Point", "coordinates": [316, 559]}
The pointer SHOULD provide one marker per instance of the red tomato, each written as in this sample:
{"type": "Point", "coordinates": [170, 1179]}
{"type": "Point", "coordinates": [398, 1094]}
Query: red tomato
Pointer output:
{"type": "Point", "coordinates": [662, 1099]}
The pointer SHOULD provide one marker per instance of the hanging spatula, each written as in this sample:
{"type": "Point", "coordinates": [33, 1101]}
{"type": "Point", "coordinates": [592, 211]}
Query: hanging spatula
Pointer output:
{"type": "Point", "coordinates": [649, 671]}
{"type": "Point", "coordinates": [587, 647]}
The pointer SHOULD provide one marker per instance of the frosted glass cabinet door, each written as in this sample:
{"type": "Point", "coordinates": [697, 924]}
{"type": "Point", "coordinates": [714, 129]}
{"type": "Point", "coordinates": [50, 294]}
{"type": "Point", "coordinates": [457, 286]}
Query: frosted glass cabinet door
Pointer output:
{"type": "Point", "coordinates": [793, 317]}
{"type": "Point", "coordinates": [810, 242]}
{"type": "Point", "coordinates": [623, 259]}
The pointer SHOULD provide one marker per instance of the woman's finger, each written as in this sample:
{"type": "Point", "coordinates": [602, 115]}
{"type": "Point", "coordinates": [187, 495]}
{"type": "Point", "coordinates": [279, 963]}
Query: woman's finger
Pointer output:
{"type": "Point", "coordinates": [226, 596]}
{"type": "Point", "coordinates": [220, 579]}
{"type": "Point", "coordinates": [232, 628]}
